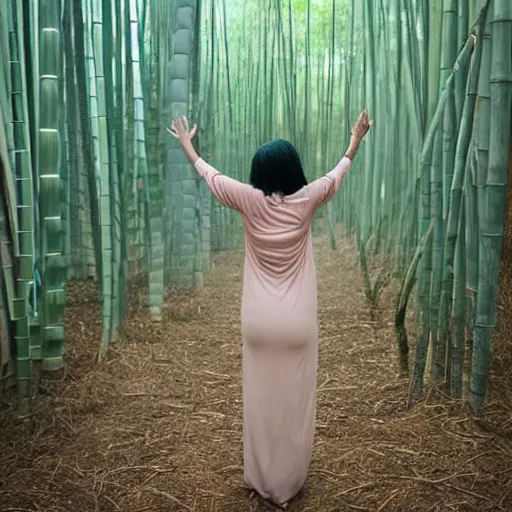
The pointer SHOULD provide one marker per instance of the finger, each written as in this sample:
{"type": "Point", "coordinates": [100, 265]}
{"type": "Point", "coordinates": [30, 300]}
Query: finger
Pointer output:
{"type": "Point", "coordinates": [194, 130]}
{"type": "Point", "coordinates": [172, 133]}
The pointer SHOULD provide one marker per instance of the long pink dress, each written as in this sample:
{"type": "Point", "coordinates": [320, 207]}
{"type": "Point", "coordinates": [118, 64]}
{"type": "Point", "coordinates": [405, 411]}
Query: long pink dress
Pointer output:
{"type": "Point", "coordinates": [279, 327]}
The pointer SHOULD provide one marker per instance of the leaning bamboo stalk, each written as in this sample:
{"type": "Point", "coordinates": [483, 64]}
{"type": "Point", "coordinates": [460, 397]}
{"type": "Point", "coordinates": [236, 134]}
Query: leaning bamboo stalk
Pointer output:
{"type": "Point", "coordinates": [453, 224]}
{"type": "Point", "coordinates": [424, 311]}
{"type": "Point", "coordinates": [452, 227]}
{"type": "Point", "coordinates": [403, 300]}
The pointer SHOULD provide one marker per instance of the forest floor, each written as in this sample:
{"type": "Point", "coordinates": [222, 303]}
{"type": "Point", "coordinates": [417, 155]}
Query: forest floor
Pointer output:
{"type": "Point", "coordinates": [158, 426]}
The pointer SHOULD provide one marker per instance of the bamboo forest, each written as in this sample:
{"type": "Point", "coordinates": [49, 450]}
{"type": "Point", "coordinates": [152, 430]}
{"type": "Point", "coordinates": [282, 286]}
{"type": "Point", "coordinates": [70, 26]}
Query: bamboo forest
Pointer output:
{"type": "Point", "coordinates": [121, 365]}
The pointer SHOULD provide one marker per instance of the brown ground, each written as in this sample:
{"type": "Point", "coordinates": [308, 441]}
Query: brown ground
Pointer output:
{"type": "Point", "coordinates": [158, 426]}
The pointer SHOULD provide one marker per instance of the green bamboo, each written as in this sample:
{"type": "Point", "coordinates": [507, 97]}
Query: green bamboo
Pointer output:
{"type": "Point", "coordinates": [88, 149]}
{"type": "Point", "coordinates": [458, 320]}
{"type": "Point", "coordinates": [247, 72]}
{"type": "Point", "coordinates": [50, 171]}
{"type": "Point", "coordinates": [140, 173]}
{"type": "Point", "coordinates": [403, 298]}
{"type": "Point", "coordinates": [444, 178]}
{"type": "Point", "coordinates": [437, 257]}
{"type": "Point", "coordinates": [104, 154]}
{"type": "Point", "coordinates": [463, 142]}
{"type": "Point", "coordinates": [424, 315]}
{"type": "Point", "coordinates": [462, 34]}
{"type": "Point", "coordinates": [8, 217]}
{"type": "Point", "coordinates": [130, 183]}
{"type": "Point", "coordinates": [370, 176]}
{"type": "Point", "coordinates": [120, 202]}
{"type": "Point", "coordinates": [76, 264]}
{"type": "Point", "coordinates": [9, 306]}
{"type": "Point", "coordinates": [435, 23]}
{"type": "Point", "coordinates": [494, 197]}
{"type": "Point", "coordinates": [182, 177]}
{"type": "Point", "coordinates": [26, 346]}
{"type": "Point", "coordinates": [5, 72]}
{"type": "Point", "coordinates": [153, 134]}
{"type": "Point", "coordinates": [107, 32]}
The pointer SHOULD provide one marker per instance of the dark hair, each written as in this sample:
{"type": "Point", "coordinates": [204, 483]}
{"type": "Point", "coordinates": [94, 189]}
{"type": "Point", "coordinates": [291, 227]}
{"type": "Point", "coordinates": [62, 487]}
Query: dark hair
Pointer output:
{"type": "Point", "coordinates": [276, 168]}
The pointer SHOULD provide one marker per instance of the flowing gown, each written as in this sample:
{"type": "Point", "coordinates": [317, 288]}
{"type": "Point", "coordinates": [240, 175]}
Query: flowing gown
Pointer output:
{"type": "Point", "coordinates": [279, 327]}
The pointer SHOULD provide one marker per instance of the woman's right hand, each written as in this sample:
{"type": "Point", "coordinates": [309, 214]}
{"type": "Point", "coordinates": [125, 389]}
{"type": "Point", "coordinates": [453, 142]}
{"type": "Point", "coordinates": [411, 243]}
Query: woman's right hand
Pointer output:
{"type": "Point", "coordinates": [362, 126]}
{"type": "Point", "coordinates": [359, 130]}
{"type": "Point", "coordinates": [179, 129]}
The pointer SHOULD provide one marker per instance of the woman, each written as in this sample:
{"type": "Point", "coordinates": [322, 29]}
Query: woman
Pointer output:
{"type": "Point", "coordinates": [279, 305]}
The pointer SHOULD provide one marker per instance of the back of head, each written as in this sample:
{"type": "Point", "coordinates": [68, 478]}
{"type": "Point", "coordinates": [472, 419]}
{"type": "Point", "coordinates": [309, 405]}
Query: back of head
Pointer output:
{"type": "Point", "coordinates": [276, 168]}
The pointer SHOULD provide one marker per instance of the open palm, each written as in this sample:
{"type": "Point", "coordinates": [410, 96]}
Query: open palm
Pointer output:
{"type": "Point", "coordinates": [180, 130]}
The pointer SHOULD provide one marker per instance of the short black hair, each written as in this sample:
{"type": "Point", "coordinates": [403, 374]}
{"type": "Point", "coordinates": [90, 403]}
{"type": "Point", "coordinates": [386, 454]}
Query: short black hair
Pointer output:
{"type": "Point", "coordinates": [276, 168]}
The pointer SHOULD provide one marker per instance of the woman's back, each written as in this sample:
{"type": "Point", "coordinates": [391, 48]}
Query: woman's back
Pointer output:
{"type": "Point", "coordinates": [277, 237]}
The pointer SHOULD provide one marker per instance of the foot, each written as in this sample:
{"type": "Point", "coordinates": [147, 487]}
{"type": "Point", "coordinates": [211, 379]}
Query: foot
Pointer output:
{"type": "Point", "coordinates": [255, 494]}
{"type": "Point", "coordinates": [280, 506]}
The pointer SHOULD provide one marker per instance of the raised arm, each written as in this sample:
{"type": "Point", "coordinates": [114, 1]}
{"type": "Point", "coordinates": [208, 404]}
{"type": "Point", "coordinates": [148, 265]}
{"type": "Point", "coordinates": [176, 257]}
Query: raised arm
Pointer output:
{"type": "Point", "coordinates": [323, 189]}
{"type": "Point", "coordinates": [228, 191]}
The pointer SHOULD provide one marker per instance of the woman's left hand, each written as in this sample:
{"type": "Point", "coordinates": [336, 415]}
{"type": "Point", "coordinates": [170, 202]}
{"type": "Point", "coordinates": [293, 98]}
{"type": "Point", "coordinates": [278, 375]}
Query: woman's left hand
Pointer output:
{"type": "Point", "coordinates": [362, 126]}
{"type": "Point", "coordinates": [180, 130]}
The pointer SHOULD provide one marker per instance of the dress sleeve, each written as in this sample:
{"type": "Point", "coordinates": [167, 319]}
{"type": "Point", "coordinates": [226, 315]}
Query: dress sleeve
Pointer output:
{"type": "Point", "coordinates": [323, 189]}
{"type": "Point", "coordinates": [226, 190]}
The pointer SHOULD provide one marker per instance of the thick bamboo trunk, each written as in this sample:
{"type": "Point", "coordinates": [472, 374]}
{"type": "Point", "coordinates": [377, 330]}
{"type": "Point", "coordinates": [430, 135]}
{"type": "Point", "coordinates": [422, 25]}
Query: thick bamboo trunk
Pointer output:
{"type": "Point", "coordinates": [493, 197]}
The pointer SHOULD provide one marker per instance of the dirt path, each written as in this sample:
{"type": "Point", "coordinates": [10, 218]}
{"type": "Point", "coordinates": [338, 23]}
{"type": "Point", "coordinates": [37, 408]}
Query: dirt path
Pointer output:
{"type": "Point", "coordinates": [158, 426]}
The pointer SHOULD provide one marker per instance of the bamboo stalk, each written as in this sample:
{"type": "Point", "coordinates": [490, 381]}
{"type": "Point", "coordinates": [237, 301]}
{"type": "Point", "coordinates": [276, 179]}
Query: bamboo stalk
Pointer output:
{"type": "Point", "coordinates": [403, 300]}
{"type": "Point", "coordinates": [494, 197]}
